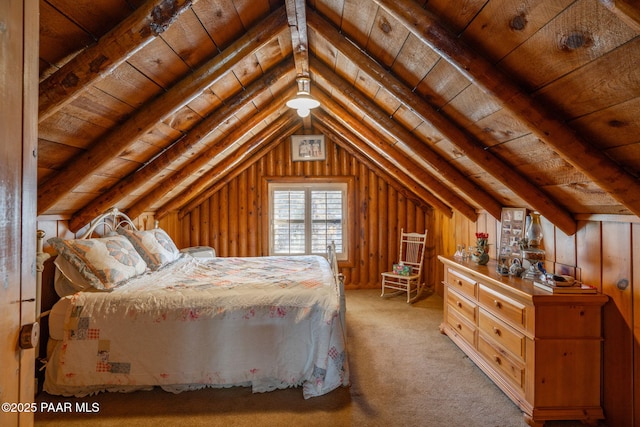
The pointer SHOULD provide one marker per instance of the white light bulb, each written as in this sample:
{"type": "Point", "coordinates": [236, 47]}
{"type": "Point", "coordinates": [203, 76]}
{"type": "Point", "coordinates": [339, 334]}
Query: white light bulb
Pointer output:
{"type": "Point", "coordinates": [303, 112]}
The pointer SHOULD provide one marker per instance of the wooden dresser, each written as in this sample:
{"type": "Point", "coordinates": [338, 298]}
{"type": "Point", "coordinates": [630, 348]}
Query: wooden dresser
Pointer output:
{"type": "Point", "coordinates": [543, 350]}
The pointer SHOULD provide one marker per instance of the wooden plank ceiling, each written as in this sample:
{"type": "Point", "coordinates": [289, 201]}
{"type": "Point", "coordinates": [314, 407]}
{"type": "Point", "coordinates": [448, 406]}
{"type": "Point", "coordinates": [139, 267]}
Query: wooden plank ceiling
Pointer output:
{"type": "Point", "coordinates": [475, 105]}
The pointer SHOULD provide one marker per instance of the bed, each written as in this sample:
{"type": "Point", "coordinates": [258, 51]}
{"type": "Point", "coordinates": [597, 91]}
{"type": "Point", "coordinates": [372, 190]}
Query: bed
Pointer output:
{"type": "Point", "coordinates": [179, 322]}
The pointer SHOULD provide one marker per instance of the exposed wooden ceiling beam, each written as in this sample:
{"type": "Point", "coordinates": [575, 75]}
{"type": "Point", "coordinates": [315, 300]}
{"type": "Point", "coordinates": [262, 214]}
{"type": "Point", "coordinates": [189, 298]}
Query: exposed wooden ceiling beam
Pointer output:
{"type": "Point", "coordinates": [156, 110]}
{"type": "Point", "coordinates": [242, 159]}
{"type": "Point", "coordinates": [627, 10]}
{"type": "Point", "coordinates": [585, 157]}
{"type": "Point", "coordinates": [135, 32]}
{"type": "Point", "coordinates": [395, 160]}
{"type": "Point", "coordinates": [205, 127]}
{"type": "Point", "coordinates": [465, 142]}
{"type": "Point", "coordinates": [402, 182]}
{"type": "Point", "coordinates": [422, 150]}
{"type": "Point", "coordinates": [200, 162]}
{"type": "Point", "coordinates": [297, 18]}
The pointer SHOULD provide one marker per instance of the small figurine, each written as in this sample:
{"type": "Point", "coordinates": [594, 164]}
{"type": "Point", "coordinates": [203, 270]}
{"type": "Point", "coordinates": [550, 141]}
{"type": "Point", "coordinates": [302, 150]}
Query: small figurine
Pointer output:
{"type": "Point", "coordinates": [516, 268]}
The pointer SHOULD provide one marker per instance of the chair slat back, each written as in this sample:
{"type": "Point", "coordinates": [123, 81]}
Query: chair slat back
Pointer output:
{"type": "Point", "coordinates": [412, 248]}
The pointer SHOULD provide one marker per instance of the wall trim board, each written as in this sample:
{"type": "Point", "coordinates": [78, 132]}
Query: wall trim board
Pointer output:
{"type": "Point", "coordinates": [608, 218]}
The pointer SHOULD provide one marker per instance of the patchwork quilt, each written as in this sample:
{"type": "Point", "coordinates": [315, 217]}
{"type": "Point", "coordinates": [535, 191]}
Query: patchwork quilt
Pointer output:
{"type": "Point", "coordinates": [263, 322]}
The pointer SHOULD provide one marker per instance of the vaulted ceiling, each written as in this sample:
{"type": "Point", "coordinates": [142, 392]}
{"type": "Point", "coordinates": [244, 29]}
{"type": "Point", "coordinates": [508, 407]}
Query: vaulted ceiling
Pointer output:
{"type": "Point", "coordinates": [471, 104]}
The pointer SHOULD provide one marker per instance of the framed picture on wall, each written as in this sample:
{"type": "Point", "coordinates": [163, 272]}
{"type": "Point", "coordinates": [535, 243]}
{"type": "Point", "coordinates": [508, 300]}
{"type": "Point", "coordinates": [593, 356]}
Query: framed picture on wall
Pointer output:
{"type": "Point", "coordinates": [512, 230]}
{"type": "Point", "coordinates": [307, 147]}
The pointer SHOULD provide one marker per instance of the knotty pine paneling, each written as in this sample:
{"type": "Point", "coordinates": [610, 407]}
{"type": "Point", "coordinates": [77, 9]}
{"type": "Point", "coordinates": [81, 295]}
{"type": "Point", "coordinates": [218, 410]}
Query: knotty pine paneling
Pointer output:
{"type": "Point", "coordinates": [234, 219]}
{"type": "Point", "coordinates": [618, 321]}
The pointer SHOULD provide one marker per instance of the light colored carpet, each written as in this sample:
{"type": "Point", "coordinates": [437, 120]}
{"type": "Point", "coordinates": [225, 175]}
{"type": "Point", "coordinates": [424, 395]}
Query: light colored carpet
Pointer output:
{"type": "Point", "coordinates": [403, 373]}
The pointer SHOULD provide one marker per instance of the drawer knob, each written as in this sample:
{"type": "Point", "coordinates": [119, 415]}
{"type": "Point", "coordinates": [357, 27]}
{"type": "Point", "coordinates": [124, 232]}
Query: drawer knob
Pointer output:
{"type": "Point", "coordinates": [497, 303]}
{"type": "Point", "coordinates": [459, 326]}
{"type": "Point", "coordinates": [459, 282]}
{"type": "Point", "coordinates": [497, 331]}
{"type": "Point", "coordinates": [459, 304]}
{"type": "Point", "coordinates": [496, 358]}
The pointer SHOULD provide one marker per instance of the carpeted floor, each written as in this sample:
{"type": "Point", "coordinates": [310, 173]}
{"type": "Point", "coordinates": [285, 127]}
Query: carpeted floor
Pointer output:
{"type": "Point", "coordinates": [403, 373]}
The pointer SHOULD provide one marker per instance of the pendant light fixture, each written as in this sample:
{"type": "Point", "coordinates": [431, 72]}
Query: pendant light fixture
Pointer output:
{"type": "Point", "coordinates": [303, 103]}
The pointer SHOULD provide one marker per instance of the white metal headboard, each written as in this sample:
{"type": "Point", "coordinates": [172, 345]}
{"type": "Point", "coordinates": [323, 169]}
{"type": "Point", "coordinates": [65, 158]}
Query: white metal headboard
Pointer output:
{"type": "Point", "coordinates": [111, 220]}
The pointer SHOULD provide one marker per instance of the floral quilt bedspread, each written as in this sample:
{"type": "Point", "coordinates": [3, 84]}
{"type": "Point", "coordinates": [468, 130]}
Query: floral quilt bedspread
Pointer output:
{"type": "Point", "coordinates": [264, 322]}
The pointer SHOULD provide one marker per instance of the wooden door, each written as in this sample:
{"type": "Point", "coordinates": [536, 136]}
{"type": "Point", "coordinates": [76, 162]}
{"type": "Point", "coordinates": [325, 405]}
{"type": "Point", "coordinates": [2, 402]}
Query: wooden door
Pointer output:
{"type": "Point", "coordinates": [18, 145]}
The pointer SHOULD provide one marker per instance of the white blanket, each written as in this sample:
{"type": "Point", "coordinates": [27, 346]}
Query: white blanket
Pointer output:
{"type": "Point", "coordinates": [267, 322]}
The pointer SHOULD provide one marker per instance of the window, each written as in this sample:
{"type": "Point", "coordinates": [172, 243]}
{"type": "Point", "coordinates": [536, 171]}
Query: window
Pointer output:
{"type": "Point", "coordinates": [306, 217]}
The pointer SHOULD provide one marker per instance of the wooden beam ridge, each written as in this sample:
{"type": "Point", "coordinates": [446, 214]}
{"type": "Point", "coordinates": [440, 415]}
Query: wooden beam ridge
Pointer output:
{"type": "Point", "coordinates": [394, 160]}
{"type": "Point", "coordinates": [296, 17]}
{"type": "Point", "coordinates": [232, 166]}
{"type": "Point", "coordinates": [193, 167]}
{"type": "Point", "coordinates": [408, 187]}
{"type": "Point", "coordinates": [544, 123]}
{"type": "Point", "coordinates": [467, 143]}
{"type": "Point", "coordinates": [156, 110]}
{"type": "Point", "coordinates": [441, 165]}
{"type": "Point", "coordinates": [204, 128]}
{"type": "Point", "coordinates": [123, 41]}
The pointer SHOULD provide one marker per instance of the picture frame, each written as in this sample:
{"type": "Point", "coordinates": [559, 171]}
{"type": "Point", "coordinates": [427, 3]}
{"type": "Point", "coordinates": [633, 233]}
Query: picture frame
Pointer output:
{"type": "Point", "coordinates": [512, 230]}
{"type": "Point", "coordinates": [306, 148]}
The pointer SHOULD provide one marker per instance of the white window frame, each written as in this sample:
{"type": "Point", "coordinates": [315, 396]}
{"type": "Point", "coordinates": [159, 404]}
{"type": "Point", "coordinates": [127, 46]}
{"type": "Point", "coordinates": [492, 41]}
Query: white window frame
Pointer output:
{"type": "Point", "coordinates": [308, 187]}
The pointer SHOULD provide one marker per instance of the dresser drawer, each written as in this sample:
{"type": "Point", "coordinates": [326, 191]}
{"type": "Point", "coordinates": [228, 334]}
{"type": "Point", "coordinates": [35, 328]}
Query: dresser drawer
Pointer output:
{"type": "Point", "coordinates": [509, 367]}
{"type": "Point", "coordinates": [462, 283]}
{"type": "Point", "coordinates": [462, 305]}
{"type": "Point", "coordinates": [502, 306]}
{"type": "Point", "coordinates": [502, 333]}
{"type": "Point", "coordinates": [461, 326]}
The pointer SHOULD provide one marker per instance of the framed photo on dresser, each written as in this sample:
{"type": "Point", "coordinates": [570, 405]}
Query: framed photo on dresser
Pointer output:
{"type": "Point", "coordinates": [512, 230]}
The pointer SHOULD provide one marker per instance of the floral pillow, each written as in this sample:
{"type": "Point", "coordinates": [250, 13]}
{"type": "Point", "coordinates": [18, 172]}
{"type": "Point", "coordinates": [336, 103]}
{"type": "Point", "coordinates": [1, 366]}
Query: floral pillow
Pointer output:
{"type": "Point", "coordinates": [154, 246]}
{"type": "Point", "coordinates": [105, 262]}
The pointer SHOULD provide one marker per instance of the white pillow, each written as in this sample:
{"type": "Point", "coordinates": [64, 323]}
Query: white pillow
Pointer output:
{"type": "Point", "coordinates": [154, 246]}
{"type": "Point", "coordinates": [105, 262]}
{"type": "Point", "coordinates": [68, 280]}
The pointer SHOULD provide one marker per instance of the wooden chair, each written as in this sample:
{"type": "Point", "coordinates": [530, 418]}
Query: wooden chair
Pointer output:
{"type": "Point", "coordinates": [412, 248]}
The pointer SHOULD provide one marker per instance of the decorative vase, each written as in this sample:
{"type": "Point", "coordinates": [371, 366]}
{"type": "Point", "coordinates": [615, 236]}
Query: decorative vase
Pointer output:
{"type": "Point", "coordinates": [481, 256]}
{"type": "Point", "coordinates": [483, 259]}
{"type": "Point", "coordinates": [482, 249]}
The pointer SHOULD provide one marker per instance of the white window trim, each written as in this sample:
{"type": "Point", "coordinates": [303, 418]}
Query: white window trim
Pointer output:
{"type": "Point", "coordinates": [311, 186]}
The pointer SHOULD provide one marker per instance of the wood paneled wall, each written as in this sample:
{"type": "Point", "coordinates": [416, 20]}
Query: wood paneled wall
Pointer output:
{"type": "Point", "coordinates": [605, 252]}
{"type": "Point", "coordinates": [234, 219]}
